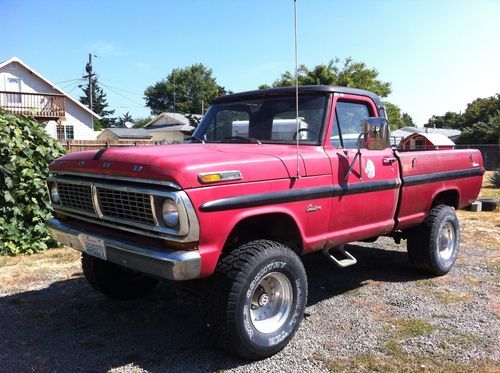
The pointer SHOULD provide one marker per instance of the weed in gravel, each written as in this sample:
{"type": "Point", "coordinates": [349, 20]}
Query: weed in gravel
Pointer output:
{"type": "Point", "coordinates": [426, 282]}
{"type": "Point", "coordinates": [468, 340]}
{"type": "Point", "coordinates": [393, 348]}
{"type": "Point", "coordinates": [473, 280]}
{"type": "Point", "coordinates": [494, 266]}
{"type": "Point", "coordinates": [406, 327]}
{"type": "Point", "coordinates": [446, 296]}
{"type": "Point", "coordinates": [371, 362]}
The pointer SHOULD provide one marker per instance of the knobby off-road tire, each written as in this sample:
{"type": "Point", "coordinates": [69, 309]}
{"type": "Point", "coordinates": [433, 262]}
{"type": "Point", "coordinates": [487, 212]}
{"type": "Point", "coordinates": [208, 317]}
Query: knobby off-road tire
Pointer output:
{"type": "Point", "coordinates": [114, 281]}
{"type": "Point", "coordinates": [260, 294]}
{"type": "Point", "coordinates": [433, 245]}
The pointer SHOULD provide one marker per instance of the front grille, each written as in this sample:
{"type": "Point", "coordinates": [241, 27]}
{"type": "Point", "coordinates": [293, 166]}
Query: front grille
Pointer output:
{"type": "Point", "coordinates": [135, 207]}
{"type": "Point", "coordinates": [75, 196]}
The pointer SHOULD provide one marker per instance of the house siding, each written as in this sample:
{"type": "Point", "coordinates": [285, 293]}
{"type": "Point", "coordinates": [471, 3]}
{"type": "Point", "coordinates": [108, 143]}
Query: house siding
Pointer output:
{"type": "Point", "coordinates": [80, 119]}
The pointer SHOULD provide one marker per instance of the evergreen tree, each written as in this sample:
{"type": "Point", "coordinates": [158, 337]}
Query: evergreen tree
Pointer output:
{"type": "Point", "coordinates": [99, 105]}
{"type": "Point", "coordinates": [124, 119]}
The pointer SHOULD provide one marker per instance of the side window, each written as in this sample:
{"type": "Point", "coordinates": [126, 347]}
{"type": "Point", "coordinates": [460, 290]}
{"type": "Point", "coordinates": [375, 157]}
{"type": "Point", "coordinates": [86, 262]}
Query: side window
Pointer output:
{"type": "Point", "coordinates": [349, 119]}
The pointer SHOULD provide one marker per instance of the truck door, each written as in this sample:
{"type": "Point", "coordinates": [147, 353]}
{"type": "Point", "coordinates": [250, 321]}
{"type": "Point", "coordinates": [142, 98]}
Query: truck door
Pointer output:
{"type": "Point", "coordinates": [364, 205]}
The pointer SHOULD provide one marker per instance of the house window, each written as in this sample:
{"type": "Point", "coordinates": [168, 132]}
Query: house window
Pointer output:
{"type": "Point", "coordinates": [67, 132]}
{"type": "Point", "coordinates": [13, 85]}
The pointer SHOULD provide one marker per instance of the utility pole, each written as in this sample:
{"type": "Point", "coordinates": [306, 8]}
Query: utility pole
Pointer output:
{"type": "Point", "coordinates": [90, 76]}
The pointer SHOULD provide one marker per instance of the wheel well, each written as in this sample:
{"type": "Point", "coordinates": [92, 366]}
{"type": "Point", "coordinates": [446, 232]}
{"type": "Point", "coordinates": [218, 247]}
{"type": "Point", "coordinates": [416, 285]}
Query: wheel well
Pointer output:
{"type": "Point", "coordinates": [447, 197]}
{"type": "Point", "coordinates": [277, 227]}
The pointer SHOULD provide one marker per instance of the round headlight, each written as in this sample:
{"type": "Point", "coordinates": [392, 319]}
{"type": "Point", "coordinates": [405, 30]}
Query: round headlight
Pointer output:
{"type": "Point", "coordinates": [170, 213]}
{"type": "Point", "coordinates": [54, 194]}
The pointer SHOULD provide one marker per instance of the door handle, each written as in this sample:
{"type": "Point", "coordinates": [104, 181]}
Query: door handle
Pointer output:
{"type": "Point", "coordinates": [388, 161]}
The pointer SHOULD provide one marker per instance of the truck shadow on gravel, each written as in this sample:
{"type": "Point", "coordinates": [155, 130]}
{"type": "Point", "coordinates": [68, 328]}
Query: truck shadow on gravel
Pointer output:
{"type": "Point", "coordinates": [68, 327]}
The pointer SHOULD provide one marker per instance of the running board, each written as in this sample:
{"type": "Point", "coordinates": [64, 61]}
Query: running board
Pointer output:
{"type": "Point", "coordinates": [348, 260]}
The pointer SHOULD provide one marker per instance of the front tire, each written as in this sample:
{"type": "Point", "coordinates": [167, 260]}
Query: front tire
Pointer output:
{"type": "Point", "coordinates": [261, 295]}
{"type": "Point", "coordinates": [433, 245]}
{"type": "Point", "coordinates": [114, 281]}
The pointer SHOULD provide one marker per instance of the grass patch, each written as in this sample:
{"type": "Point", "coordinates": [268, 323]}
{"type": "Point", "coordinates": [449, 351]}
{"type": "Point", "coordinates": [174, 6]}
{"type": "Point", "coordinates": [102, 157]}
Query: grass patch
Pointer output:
{"type": "Point", "coordinates": [393, 348]}
{"type": "Point", "coordinates": [446, 296]}
{"type": "Point", "coordinates": [494, 266]}
{"type": "Point", "coordinates": [487, 189]}
{"type": "Point", "coordinates": [406, 327]}
{"type": "Point", "coordinates": [469, 340]}
{"type": "Point", "coordinates": [427, 283]}
{"type": "Point", "coordinates": [473, 280]}
{"type": "Point", "coordinates": [372, 362]}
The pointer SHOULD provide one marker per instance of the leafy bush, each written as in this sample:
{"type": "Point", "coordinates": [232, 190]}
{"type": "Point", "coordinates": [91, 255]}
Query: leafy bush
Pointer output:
{"type": "Point", "coordinates": [495, 178]}
{"type": "Point", "coordinates": [25, 153]}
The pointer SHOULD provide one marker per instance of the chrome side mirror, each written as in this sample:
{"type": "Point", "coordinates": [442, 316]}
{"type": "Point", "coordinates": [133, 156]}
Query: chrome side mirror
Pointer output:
{"type": "Point", "coordinates": [376, 131]}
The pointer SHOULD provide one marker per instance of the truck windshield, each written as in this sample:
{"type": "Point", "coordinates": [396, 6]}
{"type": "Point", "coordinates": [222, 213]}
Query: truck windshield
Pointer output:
{"type": "Point", "coordinates": [265, 120]}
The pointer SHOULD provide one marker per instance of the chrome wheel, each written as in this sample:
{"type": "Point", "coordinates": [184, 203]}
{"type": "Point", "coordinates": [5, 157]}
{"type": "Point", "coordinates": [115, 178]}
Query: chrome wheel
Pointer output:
{"type": "Point", "coordinates": [271, 302]}
{"type": "Point", "coordinates": [446, 241]}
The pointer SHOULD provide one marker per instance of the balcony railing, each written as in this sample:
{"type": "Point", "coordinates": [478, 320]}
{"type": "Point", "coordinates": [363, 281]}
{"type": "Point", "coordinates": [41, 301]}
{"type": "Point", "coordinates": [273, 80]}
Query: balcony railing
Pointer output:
{"type": "Point", "coordinates": [36, 105]}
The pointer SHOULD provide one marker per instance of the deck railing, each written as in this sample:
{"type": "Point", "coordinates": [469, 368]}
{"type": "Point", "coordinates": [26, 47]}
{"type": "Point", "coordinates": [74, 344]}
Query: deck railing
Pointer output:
{"type": "Point", "coordinates": [36, 105]}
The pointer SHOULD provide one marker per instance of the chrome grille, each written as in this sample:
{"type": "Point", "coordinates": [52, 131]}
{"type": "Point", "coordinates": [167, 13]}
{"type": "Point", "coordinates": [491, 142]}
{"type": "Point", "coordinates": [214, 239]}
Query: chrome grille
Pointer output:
{"type": "Point", "coordinates": [135, 207]}
{"type": "Point", "coordinates": [75, 196]}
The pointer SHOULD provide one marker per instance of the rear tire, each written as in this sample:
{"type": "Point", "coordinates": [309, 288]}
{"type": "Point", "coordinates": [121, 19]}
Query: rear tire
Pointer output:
{"type": "Point", "coordinates": [115, 281]}
{"type": "Point", "coordinates": [260, 298]}
{"type": "Point", "coordinates": [433, 245]}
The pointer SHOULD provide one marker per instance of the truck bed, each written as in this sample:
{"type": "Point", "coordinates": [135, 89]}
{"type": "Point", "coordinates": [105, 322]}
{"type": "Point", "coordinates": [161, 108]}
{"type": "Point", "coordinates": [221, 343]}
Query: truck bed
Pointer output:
{"type": "Point", "coordinates": [452, 175]}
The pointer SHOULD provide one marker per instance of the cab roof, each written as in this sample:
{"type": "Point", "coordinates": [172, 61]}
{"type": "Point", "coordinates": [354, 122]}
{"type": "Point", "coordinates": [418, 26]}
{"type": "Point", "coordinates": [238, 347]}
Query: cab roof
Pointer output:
{"type": "Point", "coordinates": [260, 93]}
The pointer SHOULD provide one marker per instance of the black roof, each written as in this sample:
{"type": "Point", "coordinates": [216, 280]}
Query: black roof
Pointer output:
{"type": "Point", "coordinates": [291, 90]}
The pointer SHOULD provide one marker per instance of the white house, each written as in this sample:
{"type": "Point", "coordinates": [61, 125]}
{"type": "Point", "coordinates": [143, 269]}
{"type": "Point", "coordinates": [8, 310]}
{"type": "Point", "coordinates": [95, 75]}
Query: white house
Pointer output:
{"type": "Point", "coordinates": [24, 91]}
{"type": "Point", "coordinates": [170, 127]}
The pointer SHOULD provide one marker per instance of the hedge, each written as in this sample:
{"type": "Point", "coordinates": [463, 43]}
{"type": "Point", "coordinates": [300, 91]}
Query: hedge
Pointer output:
{"type": "Point", "coordinates": [26, 150]}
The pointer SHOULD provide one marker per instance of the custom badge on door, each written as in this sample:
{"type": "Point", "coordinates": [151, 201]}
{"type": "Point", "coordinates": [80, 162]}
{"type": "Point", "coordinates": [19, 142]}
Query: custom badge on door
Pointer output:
{"type": "Point", "coordinates": [370, 169]}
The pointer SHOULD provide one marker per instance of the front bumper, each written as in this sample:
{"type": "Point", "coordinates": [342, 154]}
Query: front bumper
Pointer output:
{"type": "Point", "coordinates": [167, 264]}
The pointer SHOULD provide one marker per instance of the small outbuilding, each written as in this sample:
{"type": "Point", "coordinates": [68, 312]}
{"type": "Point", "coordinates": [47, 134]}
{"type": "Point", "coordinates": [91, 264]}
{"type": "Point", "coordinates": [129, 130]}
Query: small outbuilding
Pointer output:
{"type": "Point", "coordinates": [426, 141]}
{"type": "Point", "coordinates": [128, 134]}
{"type": "Point", "coordinates": [171, 127]}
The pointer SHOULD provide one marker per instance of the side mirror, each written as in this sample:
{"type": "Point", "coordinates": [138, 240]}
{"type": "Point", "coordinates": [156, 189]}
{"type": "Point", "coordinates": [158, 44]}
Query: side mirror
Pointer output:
{"type": "Point", "coordinates": [376, 133]}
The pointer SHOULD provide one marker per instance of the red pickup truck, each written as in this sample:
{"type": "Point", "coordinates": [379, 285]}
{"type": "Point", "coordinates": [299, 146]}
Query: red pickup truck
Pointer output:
{"type": "Point", "coordinates": [258, 185]}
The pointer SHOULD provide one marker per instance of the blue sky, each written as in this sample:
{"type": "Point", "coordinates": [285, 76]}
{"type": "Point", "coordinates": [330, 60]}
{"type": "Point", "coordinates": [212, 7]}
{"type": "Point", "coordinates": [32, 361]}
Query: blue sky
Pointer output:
{"type": "Point", "coordinates": [438, 54]}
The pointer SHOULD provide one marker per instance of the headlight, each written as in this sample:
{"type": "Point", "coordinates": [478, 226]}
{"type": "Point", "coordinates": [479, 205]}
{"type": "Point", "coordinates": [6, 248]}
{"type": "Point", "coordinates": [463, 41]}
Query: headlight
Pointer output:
{"type": "Point", "coordinates": [170, 213]}
{"type": "Point", "coordinates": [54, 194]}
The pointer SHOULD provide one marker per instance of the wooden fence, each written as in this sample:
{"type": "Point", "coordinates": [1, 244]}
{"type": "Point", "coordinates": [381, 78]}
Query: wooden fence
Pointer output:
{"type": "Point", "coordinates": [81, 145]}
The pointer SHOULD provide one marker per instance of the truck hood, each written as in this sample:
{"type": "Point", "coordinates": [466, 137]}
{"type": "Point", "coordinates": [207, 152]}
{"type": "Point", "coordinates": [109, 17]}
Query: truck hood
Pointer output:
{"type": "Point", "coordinates": [182, 163]}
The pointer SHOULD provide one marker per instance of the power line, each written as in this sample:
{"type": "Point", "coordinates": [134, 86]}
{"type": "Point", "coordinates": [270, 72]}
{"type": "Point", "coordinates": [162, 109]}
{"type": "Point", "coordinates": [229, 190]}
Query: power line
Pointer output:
{"type": "Point", "coordinates": [119, 94]}
{"type": "Point", "coordinates": [66, 81]}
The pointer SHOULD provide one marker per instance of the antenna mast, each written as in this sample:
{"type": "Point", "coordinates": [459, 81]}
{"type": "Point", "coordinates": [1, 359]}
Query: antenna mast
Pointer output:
{"type": "Point", "coordinates": [296, 86]}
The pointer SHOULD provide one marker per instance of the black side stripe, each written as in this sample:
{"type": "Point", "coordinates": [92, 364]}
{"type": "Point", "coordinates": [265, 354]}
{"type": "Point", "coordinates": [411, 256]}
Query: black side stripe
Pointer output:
{"type": "Point", "coordinates": [297, 195]}
{"type": "Point", "coordinates": [441, 176]}
{"type": "Point", "coordinates": [271, 198]}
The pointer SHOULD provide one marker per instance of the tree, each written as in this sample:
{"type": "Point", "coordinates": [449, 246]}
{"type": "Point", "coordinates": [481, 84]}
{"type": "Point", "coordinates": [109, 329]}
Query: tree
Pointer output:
{"type": "Point", "coordinates": [482, 133]}
{"type": "Point", "coordinates": [124, 119]}
{"type": "Point", "coordinates": [448, 120]}
{"type": "Point", "coordinates": [407, 120]}
{"type": "Point", "coordinates": [481, 110]}
{"type": "Point", "coordinates": [393, 115]}
{"type": "Point", "coordinates": [194, 88]}
{"type": "Point", "coordinates": [141, 121]}
{"type": "Point", "coordinates": [347, 74]}
{"type": "Point", "coordinates": [99, 105]}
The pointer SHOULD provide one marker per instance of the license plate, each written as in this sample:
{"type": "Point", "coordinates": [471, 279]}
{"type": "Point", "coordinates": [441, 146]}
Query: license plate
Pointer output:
{"type": "Point", "coordinates": [94, 246]}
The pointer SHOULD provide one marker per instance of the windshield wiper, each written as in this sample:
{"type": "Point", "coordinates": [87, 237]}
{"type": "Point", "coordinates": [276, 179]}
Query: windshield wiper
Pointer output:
{"type": "Point", "coordinates": [196, 138]}
{"type": "Point", "coordinates": [247, 139]}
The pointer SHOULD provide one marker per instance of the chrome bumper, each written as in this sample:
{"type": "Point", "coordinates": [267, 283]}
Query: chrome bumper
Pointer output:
{"type": "Point", "coordinates": [168, 264]}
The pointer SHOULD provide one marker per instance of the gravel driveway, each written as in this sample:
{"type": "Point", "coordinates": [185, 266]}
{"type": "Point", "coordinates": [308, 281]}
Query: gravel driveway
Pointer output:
{"type": "Point", "coordinates": [378, 315]}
